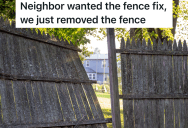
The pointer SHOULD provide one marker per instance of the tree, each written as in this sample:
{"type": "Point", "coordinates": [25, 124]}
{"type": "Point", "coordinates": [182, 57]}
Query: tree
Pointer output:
{"type": "Point", "coordinates": [180, 10]}
{"type": "Point", "coordinates": [78, 35]}
{"type": "Point", "coordinates": [163, 33]}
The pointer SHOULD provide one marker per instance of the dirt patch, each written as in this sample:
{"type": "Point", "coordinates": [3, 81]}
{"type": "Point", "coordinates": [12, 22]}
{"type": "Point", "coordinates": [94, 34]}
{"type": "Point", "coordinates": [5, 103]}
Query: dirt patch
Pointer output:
{"type": "Point", "coordinates": [105, 103]}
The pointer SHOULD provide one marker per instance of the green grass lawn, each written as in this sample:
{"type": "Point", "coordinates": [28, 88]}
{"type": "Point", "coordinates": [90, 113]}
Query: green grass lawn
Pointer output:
{"type": "Point", "coordinates": [107, 114]}
{"type": "Point", "coordinates": [102, 95]}
{"type": "Point", "coordinates": [107, 111]}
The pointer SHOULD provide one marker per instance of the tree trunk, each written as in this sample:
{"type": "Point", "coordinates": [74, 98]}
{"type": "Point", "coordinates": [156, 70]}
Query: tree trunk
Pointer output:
{"type": "Point", "coordinates": [175, 19]}
{"type": "Point", "coordinates": [132, 32]}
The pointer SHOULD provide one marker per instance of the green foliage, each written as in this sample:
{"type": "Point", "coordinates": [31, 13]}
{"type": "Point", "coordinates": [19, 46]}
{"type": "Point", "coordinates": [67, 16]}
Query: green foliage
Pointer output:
{"type": "Point", "coordinates": [78, 35]}
{"type": "Point", "coordinates": [7, 8]}
{"type": "Point", "coordinates": [107, 86]}
{"type": "Point", "coordinates": [107, 114]}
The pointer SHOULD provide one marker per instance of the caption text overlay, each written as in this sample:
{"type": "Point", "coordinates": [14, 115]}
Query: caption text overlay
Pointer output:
{"type": "Point", "coordinates": [93, 14]}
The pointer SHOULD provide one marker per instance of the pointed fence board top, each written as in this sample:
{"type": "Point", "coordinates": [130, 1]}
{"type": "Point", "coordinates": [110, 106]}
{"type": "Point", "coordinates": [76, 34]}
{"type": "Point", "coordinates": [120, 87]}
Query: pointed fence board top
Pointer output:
{"type": "Point", "coordinates": [28, 33]}
{"type": "Point", "coordinates": [154, 48]}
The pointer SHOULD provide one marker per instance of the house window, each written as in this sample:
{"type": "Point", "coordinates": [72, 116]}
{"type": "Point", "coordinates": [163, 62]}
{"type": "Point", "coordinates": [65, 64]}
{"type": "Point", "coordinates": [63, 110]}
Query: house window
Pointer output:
{"type": "Point", "coordinates": [87, 63]}
{"type": "Point", "coordinates": [103, 64]}
{"type": "Point", "coordinates": [92, 76]}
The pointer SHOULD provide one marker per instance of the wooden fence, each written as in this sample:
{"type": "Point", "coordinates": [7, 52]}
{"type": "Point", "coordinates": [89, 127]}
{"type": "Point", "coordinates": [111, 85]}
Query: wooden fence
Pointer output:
{"type": "Point", "coordinates": [154, 84]}
{"type": "Point", "coordinates": [43, 83]}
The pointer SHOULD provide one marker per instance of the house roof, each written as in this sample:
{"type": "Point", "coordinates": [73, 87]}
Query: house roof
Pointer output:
{"type": "Point", "coordinates": [89, 70]}
{"type": "Point", "coordinates": [97, 56]}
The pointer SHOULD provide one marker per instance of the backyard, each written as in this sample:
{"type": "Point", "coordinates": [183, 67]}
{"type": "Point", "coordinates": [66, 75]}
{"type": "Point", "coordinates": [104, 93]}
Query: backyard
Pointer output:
{"type": "Point", "coordinates": [104, 100]}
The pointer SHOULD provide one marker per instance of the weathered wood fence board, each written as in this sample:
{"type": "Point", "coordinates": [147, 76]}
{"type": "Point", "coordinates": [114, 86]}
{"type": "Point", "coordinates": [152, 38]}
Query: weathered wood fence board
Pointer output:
{"type": "Point", "coordinates": [154, 84]}
{"type": "Point", "coordinates": [43, 83]}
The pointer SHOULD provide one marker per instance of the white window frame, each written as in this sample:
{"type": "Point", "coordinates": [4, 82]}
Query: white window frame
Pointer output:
{"type": "Point", "coordinates": [103, 63]}
{"type": "Point", "coordinates": [91, 75]}
{"type": "Point", "coordinates": [87, 63]}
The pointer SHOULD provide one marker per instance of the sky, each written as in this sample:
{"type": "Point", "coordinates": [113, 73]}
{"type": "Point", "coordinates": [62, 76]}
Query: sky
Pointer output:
{"type": "Point", "coordinates": [101, 45]}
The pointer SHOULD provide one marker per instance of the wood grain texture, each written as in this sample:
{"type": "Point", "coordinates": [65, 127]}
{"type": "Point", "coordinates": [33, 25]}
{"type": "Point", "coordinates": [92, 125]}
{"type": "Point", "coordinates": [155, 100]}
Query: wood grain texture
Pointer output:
{"type": "Point", "coordinates": [113, 78]}
{"type": "Point", "coordinates": [43, 82]}
{"type": "Point", "coordinates": [158, 90]}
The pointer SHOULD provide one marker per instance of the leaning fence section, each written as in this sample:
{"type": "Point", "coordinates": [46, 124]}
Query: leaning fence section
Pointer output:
{"type": "Point", "coordinates": [43, 82]}
{"type": "Point", "coordinates": [154, 84]}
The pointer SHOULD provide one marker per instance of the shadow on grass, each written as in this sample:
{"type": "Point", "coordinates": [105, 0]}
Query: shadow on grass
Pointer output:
{"type": "Point", "coordinates": [107, 114]}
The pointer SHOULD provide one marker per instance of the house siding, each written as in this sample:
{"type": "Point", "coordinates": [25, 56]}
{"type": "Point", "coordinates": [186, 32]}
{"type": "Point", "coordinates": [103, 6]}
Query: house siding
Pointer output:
{"type": "Point", "coordinates": [96, 65]}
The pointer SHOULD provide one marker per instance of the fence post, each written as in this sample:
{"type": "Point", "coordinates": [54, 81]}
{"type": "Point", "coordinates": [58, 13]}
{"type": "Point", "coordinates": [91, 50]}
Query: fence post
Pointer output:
{"type": "Point", "coordinates": [114, 92]}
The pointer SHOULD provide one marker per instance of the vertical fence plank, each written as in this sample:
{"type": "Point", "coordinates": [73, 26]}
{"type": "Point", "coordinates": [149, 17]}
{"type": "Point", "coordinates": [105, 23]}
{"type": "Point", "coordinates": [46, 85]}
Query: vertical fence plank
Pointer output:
{"type": "Point", "coordinates": [24, 57]}
{"type": "Point", "coordinates": [169, 115]}
{"type": "Point", "coordinates": [25, 102]}
{"type": "Point", "coordinates": [2, 40]}
{"type": "Point", "coordinates": [176, 86]}
{"type": "Point", "coordinates": [124, 82]}
{"type": "Point", "coordinates": [80, 102]}
{"type": "Point", "coordinates": [180, 85]}
{"type": "Point", "coordinates": [145, 103]}
{"type": "Point", "coordinates": [49, 105]}
{"type": "Point", "coordinates": [3, 102]}
{"type": "Point", "coordinates": [37, 99]}
{"type": "Point", "coordinates": [113, 79]}
{"type": "Point", "coordinates": [67, 111]}
{"type": "Point", "coordinates": [17, 56]}
{"type": "Point", "coordinates": [54, 97]}
{"type": "Point", "coordinates": [148, 109]}
{"type": "Point", "coordinates": [127, 104]}
{"type": "Point", "coordinates": [6, 56]}
{"type": "Point", "coordinates": [138, 109]}
{"type": "Point", "coordinates": [8, 104]}
{"type": "Point", "coordinates": [159, 84]}
{"type": "Point", "coordinates": [32, 103]}
{"type": "Point", "coordinates": [146, 70]}
{"type": "Point", "coordinates": [185, 84]}
{"type": "Point", "coordinates": [1, 106]}
{"type": "Point", "coordinates": [154, 87]}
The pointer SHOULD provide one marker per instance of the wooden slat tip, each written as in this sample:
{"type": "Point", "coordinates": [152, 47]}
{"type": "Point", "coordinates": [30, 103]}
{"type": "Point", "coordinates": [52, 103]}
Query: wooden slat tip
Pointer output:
{"type": "Point", "coordinates": [149, 44]}
{"type": "Point", "coordinates": [144, 44]}
{"type": "Point", "coordinates": [185, 48]}
{"type": "Point", "coordinates": [175, 46]}
{"type": "Point", "coordinates": [180, 46]}
{"type": "Point", "coordinates": [122, 43]}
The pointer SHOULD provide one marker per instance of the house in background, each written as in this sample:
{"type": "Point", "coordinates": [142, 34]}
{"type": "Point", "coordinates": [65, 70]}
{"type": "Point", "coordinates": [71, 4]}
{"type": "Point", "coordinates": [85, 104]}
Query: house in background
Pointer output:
{"type": "Point", "coordinates": [97, 67]}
